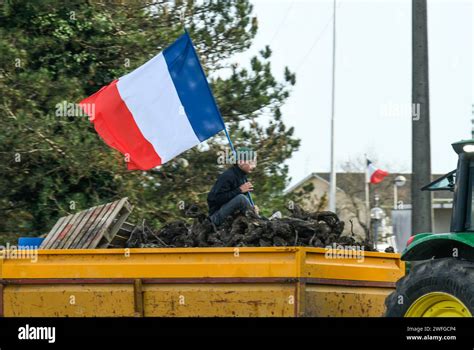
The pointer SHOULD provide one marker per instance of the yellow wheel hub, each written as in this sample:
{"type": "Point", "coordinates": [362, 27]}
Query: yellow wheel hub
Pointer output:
{"type": "Point", "coordinates": [438, 304]}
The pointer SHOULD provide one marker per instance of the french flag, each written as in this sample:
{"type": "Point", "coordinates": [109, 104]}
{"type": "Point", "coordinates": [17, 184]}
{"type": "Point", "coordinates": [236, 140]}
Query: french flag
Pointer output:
{"type": "Point", "coordinates": [157, 111]}
{"type": "Point", "coordinates": [374, 175]}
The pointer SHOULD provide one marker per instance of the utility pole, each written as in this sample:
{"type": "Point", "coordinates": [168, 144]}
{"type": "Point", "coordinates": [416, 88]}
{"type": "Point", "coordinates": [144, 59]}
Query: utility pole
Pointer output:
{"type": "Point", "coordinates": [421, 216]}
{"type": "Point", "coordinates": [332, 179]}
{"type": "Point", "coordinates": [472, 122]}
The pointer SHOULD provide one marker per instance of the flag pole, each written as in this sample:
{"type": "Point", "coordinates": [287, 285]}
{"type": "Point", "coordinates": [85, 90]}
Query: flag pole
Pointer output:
{"type": "Point", "coordinates": [332, 176]}
{"type": "Point", "coordinates": [367, 195]}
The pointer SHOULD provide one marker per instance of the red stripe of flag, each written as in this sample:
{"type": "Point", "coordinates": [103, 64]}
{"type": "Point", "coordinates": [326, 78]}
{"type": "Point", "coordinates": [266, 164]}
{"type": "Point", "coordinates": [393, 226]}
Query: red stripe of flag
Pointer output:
{"type": "Point", "coordinates": [114, 122]}
{"type": "Point", "coordinates": [374, 175]}
{"type": "Point", "coordinates": [378, 176]}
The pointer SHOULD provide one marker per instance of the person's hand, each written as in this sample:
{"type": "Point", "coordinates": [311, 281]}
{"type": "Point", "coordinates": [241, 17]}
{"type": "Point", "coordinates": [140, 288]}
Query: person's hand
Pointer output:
{"type": "Point", "coordinates": [246, 187]}
{"type": "Point", "coordinates": [256, 209]}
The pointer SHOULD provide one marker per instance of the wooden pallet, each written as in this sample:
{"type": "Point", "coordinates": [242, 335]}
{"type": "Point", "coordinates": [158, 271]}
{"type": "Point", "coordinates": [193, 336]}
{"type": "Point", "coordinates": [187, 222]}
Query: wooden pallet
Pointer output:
{"type": "Point", "coordinates": [122, 236]}
{"type": "Point", "coordinates": [88, 229]}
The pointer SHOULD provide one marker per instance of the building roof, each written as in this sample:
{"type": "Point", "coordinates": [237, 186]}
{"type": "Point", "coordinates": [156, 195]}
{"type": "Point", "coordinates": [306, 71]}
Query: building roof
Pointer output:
{"type": "Point", "coordinates": [306, 179]}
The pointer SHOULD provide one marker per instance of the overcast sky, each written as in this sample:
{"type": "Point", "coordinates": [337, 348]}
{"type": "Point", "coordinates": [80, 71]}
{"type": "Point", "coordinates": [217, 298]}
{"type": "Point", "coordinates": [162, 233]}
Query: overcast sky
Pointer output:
{"type": "Point", "coordinates": [373, 78]}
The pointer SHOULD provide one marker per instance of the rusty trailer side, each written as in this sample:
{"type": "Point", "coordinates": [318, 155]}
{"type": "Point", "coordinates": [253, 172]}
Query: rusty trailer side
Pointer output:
{"type": "Point", "coordinates": [205, 282]}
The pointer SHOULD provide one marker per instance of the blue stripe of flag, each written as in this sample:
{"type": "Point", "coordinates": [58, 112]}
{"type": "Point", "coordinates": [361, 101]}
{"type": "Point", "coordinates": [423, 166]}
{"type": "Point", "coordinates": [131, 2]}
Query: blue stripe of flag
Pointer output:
{"type": "Point", "coordinates": [193, 89]}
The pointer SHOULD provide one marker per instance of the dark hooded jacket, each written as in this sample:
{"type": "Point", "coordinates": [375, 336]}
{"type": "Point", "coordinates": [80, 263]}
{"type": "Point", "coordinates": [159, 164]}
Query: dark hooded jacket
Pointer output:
{"type": "Point", "coordinates": [226, 187]}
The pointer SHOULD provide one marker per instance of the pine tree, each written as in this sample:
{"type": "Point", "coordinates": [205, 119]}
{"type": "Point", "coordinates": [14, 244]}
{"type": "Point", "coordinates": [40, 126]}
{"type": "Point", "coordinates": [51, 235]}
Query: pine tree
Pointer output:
{"type": "Point", "coordinates": [53, 52]}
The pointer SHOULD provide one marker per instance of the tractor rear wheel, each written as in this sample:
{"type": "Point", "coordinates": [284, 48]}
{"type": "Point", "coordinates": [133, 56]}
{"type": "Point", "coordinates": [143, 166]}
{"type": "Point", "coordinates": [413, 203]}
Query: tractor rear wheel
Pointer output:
{"type": "Point", "coordinates": [436, 288]}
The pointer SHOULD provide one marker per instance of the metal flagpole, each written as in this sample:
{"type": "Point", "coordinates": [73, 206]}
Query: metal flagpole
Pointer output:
{"type": "Point", "coordinates": [367, 195]}
{"type": "Point", "coordinates": [332, 179]}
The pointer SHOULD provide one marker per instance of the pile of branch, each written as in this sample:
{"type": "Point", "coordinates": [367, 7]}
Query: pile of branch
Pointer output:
{"type": "Point", "coordinates": [301, 228]}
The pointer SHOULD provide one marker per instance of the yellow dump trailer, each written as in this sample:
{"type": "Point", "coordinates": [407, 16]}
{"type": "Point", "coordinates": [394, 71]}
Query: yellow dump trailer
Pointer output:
{"type": "Point", "coordinates": [274, 281]}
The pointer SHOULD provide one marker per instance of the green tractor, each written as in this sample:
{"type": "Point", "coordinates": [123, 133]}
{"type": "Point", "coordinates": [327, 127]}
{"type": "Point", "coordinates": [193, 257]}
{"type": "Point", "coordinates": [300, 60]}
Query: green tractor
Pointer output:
{"type": "Point", "coordinates": [440, 282]}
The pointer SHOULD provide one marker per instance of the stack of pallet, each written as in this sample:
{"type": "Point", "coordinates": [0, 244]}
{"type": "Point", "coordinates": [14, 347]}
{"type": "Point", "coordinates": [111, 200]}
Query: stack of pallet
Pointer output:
{"type": "Point", "coordinates": [96, 227]}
